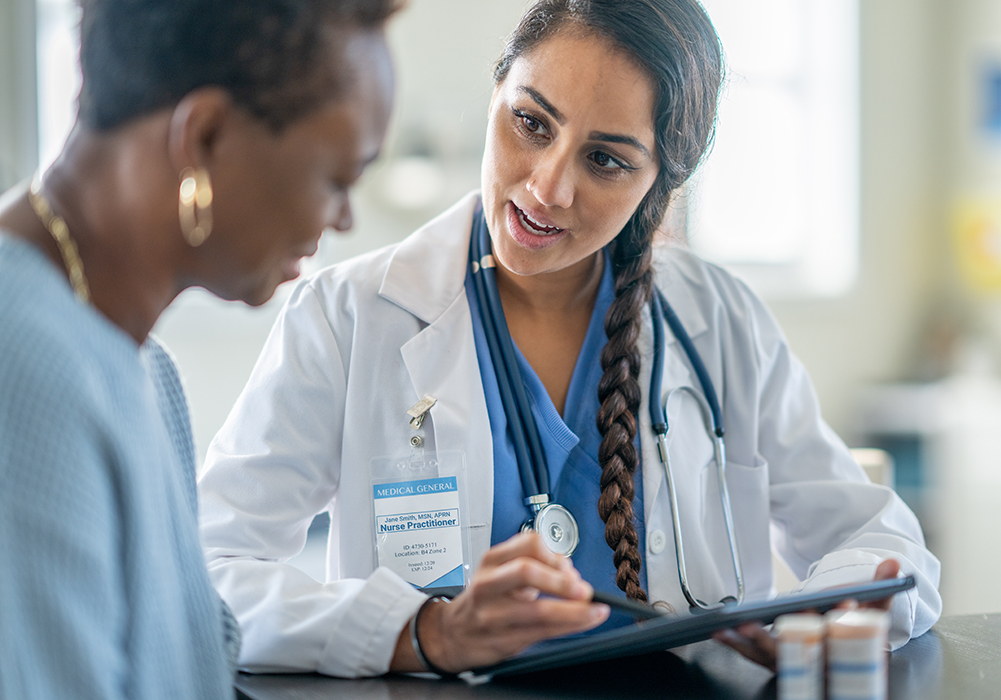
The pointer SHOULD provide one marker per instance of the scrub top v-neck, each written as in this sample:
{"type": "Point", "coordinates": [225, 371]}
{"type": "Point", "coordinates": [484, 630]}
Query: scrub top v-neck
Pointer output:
{"type": "Point", "coordinates": [570, 444]}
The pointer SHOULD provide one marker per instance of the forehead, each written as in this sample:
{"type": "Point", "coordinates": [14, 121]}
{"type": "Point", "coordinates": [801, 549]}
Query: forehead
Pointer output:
{"type": "Point", "coordinates": [356, 119]}
{"type": "Point", "coordinates": [586, 77]}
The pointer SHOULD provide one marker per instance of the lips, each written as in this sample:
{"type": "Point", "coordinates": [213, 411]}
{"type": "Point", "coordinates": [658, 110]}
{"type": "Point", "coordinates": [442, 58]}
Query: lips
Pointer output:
{"type": "Point", "coordinates": [533, 226]}
{"type": "Point", "coordinates": [531, 233]}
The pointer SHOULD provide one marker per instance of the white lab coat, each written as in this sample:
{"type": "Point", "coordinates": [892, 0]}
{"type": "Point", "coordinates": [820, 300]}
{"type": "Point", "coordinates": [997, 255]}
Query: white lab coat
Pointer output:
{"type": "Point", "coordinates": [361, 342]}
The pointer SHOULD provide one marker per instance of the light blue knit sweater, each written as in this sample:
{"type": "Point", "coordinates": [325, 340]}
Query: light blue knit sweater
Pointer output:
{"type": "Point", "coordinates": [103, 590]}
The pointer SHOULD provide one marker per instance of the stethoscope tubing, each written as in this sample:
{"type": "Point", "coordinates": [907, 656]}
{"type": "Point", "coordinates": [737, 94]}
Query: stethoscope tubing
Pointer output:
{"type": "Point", "coordinates": [527, 444]}
{"type": "Point", "coordinates": [712, 414]}
{"type": "Point", "coordinates": [525, 433]}
{"type": "Point", "coordinates": [665, 311]}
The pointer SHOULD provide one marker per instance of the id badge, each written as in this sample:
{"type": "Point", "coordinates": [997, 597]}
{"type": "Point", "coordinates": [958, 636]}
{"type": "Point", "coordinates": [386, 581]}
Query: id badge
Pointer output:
{"type": "Point", "coordinates": [418, 509]}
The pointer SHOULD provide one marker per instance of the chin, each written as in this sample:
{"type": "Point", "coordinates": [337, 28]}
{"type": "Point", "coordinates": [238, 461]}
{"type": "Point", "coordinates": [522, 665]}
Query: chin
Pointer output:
{"type": "Point", "coordinates": [261, 295]}
{"type": "Point", "coordinates": [251, 294]}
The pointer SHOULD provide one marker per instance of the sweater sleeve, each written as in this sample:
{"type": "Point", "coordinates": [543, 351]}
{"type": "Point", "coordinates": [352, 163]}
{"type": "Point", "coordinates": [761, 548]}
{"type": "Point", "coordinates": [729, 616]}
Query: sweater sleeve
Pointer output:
{"type": "Point", "coordinates": [63, 604]}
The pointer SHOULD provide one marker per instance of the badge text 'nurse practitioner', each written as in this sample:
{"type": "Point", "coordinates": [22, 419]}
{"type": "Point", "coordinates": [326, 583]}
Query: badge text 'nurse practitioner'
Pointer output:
{"type": "Point", "coordinates": [417, 530]}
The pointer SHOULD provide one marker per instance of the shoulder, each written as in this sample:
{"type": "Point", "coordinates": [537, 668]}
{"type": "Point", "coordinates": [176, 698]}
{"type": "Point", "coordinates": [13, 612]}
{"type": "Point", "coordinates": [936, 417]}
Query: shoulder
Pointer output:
{"type": "Point", "coordinates": [52, 346]}
{"type": "Point", "coordinates": [173, 405]}
{"type": "Point", "coordinates": [62, 375]}
{"type": "Point", "coordinates": [704, 289]}
{"type": "Point", "coordinates": [163, 371]}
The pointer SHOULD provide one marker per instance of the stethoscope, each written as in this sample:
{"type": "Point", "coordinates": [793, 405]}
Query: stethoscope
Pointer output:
{"type": "Point", "coordinates": [555, 524]}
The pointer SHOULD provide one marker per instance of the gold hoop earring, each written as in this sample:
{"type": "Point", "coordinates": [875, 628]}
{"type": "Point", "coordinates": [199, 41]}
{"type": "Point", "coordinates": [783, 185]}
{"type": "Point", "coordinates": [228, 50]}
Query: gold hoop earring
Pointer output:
{"type": "Point", "coordinates": [194, 205]}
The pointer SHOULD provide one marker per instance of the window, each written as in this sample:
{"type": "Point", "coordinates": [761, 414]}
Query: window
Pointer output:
{"type": "Point", "coordinates": [58, 53]}
{"type": "Point", "coordinates": [777, 199]}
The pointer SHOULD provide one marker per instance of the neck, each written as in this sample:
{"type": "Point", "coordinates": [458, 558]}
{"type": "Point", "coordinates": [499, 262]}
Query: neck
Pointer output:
{"type": "Point", "coordinates": [96, 185]}
{"type": "Point", "coordinates": [572, 290]}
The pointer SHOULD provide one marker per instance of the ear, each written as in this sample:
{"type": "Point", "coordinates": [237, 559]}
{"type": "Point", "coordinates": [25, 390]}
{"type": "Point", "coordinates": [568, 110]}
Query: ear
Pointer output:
{"type": "Point", "coordinates": [195, 126]}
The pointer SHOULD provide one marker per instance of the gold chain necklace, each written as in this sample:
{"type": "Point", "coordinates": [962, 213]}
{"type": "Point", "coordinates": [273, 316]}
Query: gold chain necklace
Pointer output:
{"type": "Point", "coordinates": [56, 226]}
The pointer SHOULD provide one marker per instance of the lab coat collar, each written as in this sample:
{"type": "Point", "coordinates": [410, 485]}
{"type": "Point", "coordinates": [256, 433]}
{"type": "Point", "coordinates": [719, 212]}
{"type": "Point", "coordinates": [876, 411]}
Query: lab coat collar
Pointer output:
{"type": "Point", "coordinates": [670, 264]}
{"type": "Point", "coordinates": [431, 287]}
{"type": "Point", "coordinates": [427, 285]}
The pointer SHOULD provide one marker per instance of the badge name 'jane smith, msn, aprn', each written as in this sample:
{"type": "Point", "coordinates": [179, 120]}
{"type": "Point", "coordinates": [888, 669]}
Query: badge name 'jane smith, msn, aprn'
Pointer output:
{"type": "Point", "coordinates": [417, 530]}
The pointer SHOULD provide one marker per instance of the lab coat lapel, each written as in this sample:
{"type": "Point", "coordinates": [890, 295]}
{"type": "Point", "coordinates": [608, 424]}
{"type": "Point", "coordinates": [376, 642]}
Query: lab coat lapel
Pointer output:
{"type": "Point", "coordinates": [426, 277]}
{"type": "Point", "coordinates": [676, 372]}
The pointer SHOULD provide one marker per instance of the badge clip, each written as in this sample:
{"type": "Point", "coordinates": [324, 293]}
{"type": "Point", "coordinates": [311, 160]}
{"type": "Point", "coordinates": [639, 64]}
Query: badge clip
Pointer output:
{"type": "Point", "coordinates": [419, 411]}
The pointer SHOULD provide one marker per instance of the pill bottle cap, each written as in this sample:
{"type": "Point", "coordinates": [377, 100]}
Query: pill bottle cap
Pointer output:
{"type": "Point", "coordinates": [857, 624]}
{"type": "Point", "coordinates": [799, 626]}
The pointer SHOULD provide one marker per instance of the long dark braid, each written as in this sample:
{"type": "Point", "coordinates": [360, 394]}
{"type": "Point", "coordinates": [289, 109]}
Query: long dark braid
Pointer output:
{"type": "Point", "coordinates": [675, 43]}
{"type": "Point", "coordinates": [620, 394]}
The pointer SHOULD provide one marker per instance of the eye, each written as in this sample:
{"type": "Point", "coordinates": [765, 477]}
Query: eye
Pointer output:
{"type": "Point", "coordinates": [605, 161]}
{"type": "Point", "coordinates": [607, 165]}
{"type": "Point", "coordinates": [529, 125]}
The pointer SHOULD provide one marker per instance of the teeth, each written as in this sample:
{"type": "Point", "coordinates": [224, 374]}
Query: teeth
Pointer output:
{"type": "Point", "coordinates": [534, 226]}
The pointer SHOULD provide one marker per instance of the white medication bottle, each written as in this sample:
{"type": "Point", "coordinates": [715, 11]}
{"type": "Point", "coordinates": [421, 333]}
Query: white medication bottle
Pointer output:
{"type": "Point", "coordinates": [857, 654]}
{"type": "Point", "coordinates": [800, 649]}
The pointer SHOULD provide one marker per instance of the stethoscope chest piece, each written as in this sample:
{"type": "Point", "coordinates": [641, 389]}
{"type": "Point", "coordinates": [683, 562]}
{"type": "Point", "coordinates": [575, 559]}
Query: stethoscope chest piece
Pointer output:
{"type": "Point", "coordinates": [557, 527]}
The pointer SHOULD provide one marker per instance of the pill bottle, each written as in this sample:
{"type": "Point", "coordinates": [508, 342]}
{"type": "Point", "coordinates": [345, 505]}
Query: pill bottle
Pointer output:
{"type": "Point", "coordinates": [800, 650]}
{"type": "Point", "coordinates": [857, 654]}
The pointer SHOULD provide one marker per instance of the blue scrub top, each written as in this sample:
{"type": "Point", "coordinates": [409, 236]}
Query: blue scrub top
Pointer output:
{"type": "Point", "coordinates": [570, 444]}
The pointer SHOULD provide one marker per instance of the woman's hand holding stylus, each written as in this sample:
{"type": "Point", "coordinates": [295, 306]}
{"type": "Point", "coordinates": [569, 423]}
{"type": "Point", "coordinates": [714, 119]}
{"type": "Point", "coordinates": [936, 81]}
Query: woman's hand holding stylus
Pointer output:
{"type": "Point", "coordinates": [503, 610]}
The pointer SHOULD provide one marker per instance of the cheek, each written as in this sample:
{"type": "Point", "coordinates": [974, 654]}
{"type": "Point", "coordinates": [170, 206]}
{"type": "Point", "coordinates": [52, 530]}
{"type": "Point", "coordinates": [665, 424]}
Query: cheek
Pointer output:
{"type": "Point", "coordinates": [488, 169]}
{"type": "Point", "coordinates": [612, 212]}
{"type": "Point", "coordinates": [504, 163]}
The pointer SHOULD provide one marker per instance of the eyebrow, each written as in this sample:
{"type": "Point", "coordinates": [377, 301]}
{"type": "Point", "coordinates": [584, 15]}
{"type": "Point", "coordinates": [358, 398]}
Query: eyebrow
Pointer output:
{"type": "Point", "coordinates": [619, 138]}
{"type": "Point", "coordinates": [542, 102]}
{"type": "Point", "coordinates": [547, 106]}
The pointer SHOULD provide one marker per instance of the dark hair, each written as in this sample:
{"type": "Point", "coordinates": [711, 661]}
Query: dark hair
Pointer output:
{"type": "Point", "coordinates": [139, 56]}
{"type": "Point", "coordinates": [676, 45]}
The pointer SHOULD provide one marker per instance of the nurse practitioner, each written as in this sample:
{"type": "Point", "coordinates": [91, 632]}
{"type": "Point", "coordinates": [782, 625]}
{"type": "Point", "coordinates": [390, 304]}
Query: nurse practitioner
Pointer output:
{"type": "Point", "coordinates": [601, 110]}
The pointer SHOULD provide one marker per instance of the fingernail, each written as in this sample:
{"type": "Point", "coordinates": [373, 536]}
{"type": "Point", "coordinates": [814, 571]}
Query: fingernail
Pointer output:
{"type": "Point", "coordinates": [581, 589]}
{"type": "Point", "coordinates": [600, 611]}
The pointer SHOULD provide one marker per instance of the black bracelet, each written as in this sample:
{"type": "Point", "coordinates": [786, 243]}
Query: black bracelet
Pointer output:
{"type": "Point", "coordinates": [425, 662]}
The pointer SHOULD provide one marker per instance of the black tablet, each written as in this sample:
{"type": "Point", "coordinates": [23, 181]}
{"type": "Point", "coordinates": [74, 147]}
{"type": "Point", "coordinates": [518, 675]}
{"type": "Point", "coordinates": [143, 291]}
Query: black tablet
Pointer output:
{"type": "Point", "coordinates": [671, 631]}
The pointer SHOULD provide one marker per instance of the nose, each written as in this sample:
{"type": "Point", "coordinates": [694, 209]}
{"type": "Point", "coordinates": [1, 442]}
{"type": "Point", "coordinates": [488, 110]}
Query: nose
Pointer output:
{"type": "Point", "coordinates": [339, 216]}
{"type": "Point", "coordinates": [552, 181]}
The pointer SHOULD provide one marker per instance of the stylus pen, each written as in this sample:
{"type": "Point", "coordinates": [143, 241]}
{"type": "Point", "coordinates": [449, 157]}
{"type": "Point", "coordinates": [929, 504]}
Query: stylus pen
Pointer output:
{"type": "Point", "coordinates": [641, 611]}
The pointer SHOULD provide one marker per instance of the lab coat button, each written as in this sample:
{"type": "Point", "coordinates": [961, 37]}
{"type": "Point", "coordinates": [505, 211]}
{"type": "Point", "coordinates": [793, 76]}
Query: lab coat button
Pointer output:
{"type": "Point", "coordinates": [656, 541]}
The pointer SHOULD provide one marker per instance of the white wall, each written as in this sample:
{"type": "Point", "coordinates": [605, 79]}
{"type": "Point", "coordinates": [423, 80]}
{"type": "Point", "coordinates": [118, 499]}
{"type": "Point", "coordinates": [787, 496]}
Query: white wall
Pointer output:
{"type": "Point", "coordinates": [873, 333]}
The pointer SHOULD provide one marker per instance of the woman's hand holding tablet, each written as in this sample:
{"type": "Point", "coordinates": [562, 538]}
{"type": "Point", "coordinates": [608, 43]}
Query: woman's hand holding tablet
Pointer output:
{"type": "Point", "coordinates": [756, 643]}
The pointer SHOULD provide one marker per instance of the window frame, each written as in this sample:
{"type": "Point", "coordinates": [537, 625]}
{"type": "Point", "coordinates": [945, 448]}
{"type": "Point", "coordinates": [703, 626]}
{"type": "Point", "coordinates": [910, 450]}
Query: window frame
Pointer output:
{"type": "Point", "coordinates": [826, 264]}
{"type": "Point", "coordinates": [19, 86]}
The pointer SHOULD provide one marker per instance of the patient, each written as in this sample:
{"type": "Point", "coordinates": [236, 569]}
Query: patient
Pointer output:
{"type": "Point", "coordinates": [215, 142]}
